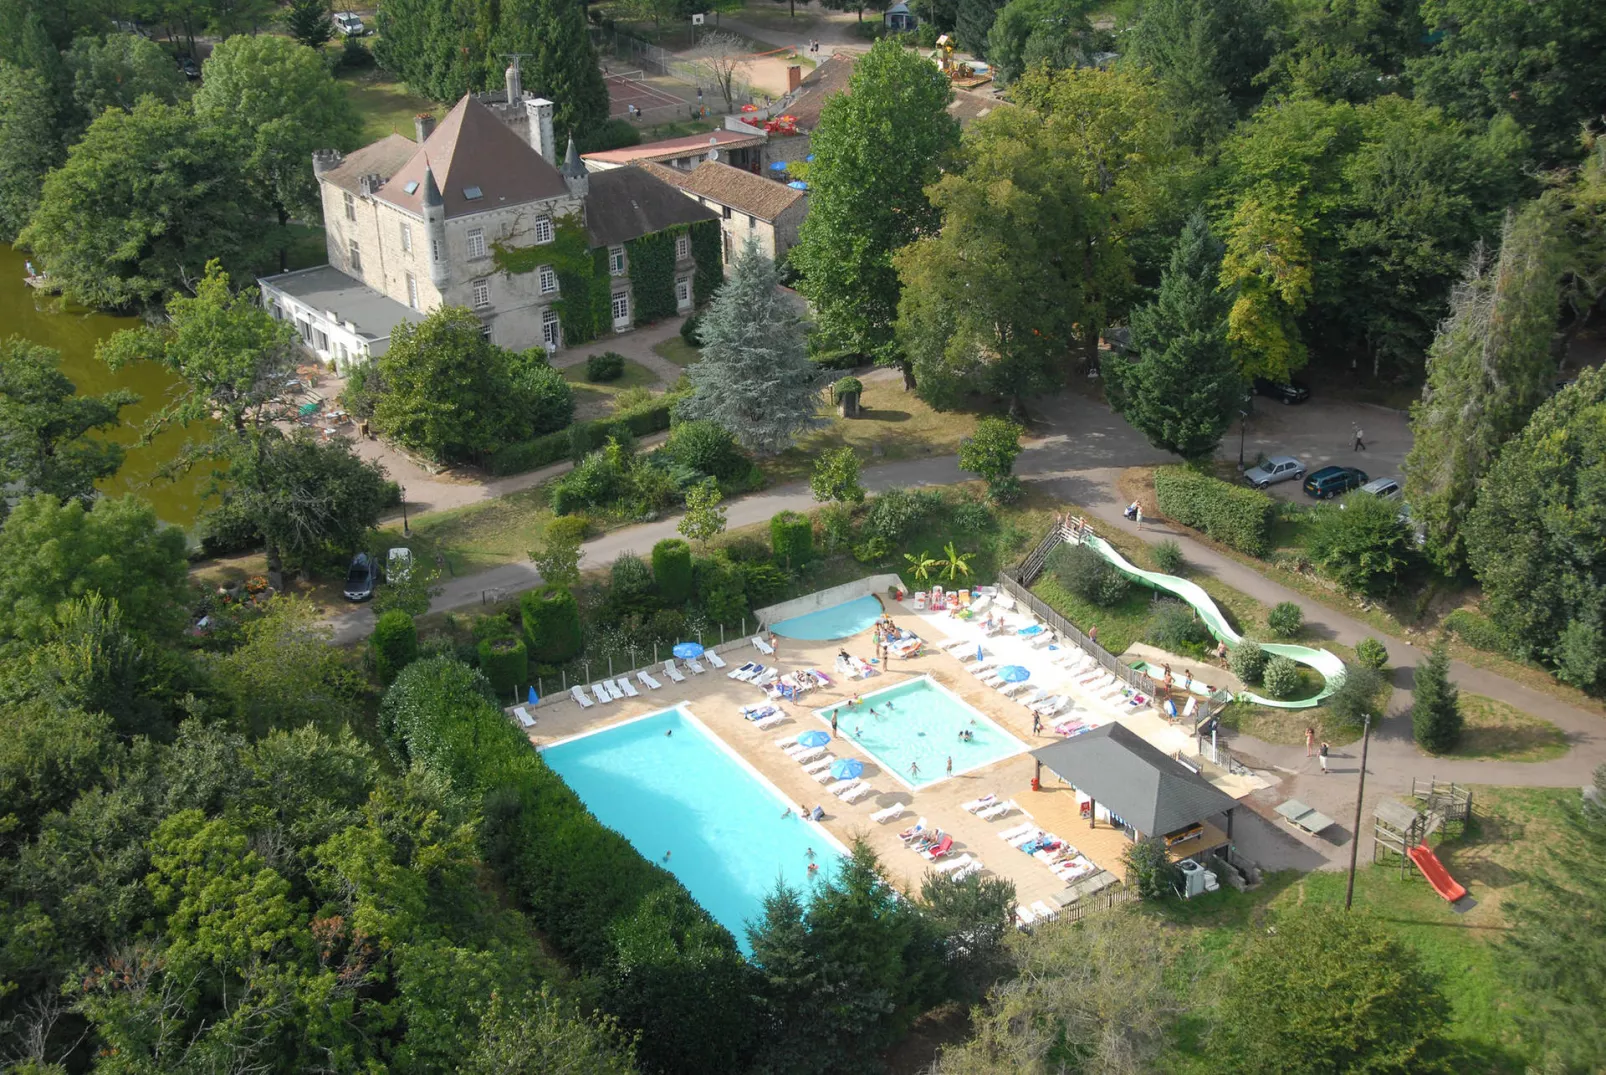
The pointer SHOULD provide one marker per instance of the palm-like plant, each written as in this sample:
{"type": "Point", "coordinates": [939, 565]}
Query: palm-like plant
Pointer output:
{"type": "Point", "coordinates": [920, 565]}
{"type": "Point", "coordinates": [958, 563]}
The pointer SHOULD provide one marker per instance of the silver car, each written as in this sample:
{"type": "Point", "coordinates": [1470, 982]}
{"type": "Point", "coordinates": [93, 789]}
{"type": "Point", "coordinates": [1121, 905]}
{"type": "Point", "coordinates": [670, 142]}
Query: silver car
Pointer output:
{"type": "Point", "coordinates": [1279, 468]}
{"type": "Point", "coordinates": [1386, 488]}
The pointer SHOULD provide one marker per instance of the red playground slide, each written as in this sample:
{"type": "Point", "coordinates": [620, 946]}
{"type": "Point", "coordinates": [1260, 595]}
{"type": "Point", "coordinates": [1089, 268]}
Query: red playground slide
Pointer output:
{"type": "Point", "coordinates": [1434, 871]}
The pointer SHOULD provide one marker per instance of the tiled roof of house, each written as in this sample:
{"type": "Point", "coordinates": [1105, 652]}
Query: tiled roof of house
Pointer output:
{"type": "Point", "coordinates": [823, 83]}
{"type": "Point", "coordinates": [968, 107]}
{"type": "Point", "coordinates": [627, 203]}
{"type": "Point", "coordinates": [670, 148]}
{"type": "Point", "coordinates": [384, 158]}
{"type": "Point", "coordinates": [473, 151]}
{"type": "Point", "coordinates": [744, 191]}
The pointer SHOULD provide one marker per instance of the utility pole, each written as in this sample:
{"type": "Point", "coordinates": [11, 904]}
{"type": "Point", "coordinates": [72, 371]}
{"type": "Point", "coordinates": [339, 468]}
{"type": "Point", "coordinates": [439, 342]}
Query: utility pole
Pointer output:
{"type": "Point", "coordinates": [1355, 835]}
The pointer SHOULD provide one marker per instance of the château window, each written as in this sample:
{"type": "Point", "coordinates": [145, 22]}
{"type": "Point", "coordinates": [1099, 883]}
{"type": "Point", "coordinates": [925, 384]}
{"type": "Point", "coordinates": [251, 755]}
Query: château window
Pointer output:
{"type": "Point", "coordinates": [543, 229]}
{"type": "Point", "coordinates": [356, 255]}
{"type": "Point", "coordinates": [351, 206]}
{"type": "Point", "coordinates": [407, 238]}
{"type": "Point", "coordinates": [616, 260]}
{"type": "Point", "coordinates": [549, 280]}
{"type": "Point", "coordinates": [682, 247]}
{"type": "Point", "coordinates": [476, 243]}
{"type": "Point", "coordinates": [482, 292]}
{"type": "Point", "coordinates": [412, 291]}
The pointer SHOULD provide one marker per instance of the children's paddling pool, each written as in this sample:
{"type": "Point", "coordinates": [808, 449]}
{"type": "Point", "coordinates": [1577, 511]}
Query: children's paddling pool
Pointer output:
{"type": "Point", "coordinates": [838, 621]}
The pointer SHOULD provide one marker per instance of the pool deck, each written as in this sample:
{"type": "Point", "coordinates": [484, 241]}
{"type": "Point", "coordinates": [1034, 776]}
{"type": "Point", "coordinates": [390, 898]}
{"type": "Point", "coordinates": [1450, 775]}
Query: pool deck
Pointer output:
{"type": "Point", "coordinates": [716, 700]}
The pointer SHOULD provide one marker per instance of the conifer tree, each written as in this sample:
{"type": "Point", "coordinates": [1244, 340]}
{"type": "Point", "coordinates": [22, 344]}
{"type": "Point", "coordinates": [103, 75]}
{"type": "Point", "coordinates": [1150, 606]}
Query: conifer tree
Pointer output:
{"type": "Point", "coordinates": [1186, 388]}
{"type": "Point", "coordinates": [755, 378]}
{"type": "Point", "coordinates": [1436, 704]}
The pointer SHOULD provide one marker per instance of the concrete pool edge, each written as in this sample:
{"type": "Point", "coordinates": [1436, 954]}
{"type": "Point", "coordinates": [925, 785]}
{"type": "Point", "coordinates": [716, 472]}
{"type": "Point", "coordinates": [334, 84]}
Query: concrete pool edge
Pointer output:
{"type": "Point", "coordinates": [823, 715]}
{"type": "Point", "coordinates": [821, 599]}
{"type": "Point", "coordinates": [684, 709]}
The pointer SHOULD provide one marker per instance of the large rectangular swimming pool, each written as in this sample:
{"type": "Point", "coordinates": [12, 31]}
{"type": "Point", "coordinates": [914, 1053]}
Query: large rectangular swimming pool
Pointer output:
{"type": "Point", "coordinates": [913, 740]}
{"type": "Point", "coordinates": [670, 786]}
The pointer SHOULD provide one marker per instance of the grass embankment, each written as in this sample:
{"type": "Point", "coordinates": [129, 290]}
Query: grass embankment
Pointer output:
{"type": "Point", "coordinates": [1496, 858]}
{"type": "Point", "coordinates": [1409, 616]}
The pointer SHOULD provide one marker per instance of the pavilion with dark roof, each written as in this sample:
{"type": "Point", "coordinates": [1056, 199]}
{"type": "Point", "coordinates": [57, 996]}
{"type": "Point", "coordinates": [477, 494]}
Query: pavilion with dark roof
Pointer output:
{"type": "Point", "coordinates": [1140, 789]}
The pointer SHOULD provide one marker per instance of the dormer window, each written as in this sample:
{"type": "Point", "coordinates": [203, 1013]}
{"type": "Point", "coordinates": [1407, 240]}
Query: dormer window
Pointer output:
{"type": "Point", "coordinates": [543, 229]}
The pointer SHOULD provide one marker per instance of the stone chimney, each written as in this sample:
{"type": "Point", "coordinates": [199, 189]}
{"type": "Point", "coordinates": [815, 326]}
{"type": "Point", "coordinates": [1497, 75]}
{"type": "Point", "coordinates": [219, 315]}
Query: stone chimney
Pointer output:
{"type": "Point", "coordinates": [325, 160]}
{"type": "Point", "coordinates": [515, 84]}
{"type": "Point", "coordinates": [539, 109]}
{"type": "Point", "coordinates": [794, 78]}
{"type": "Point", "coordinates": [424, 126]}
{"type": "Point", "coordinates": [368, 185]}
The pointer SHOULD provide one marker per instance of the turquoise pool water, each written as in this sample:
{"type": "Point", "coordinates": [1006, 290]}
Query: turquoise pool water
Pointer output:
{"type": "Point", "coordinates": [684, 793]}
{"type": "Point", "coordinates": [922, 729]}
{"type": "Point", "coordinates": [838, 621]}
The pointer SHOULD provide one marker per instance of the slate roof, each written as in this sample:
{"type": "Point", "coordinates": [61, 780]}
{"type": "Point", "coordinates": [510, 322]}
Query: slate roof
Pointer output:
{"type": "Point", "coordinates": [741, 190]}
{"type": "Point", "coordinates": [670, 148]}
{"type": "Point", "coordinates": [471, 148]}
{"type": "Point", "coordinates": [384, 157]}
{"type": "Point", "coordinates": [1146, 788]}
{"type": "Point", "coordinates": [627, 203]}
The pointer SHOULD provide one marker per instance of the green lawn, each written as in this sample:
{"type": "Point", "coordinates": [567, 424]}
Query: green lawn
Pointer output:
{"type": "Point", "coordinates": [1499, 731]}
{"type": "Point", "coordinates": [478, 536]}
{"type": "Point", "coordinates": [1495, 859]}
{"type": "Point", "coordinates": [678, 351]}
{"type": "Point", "coordinates": [593, 400]}
{"type": "Point", "coordinates": [385, 107]}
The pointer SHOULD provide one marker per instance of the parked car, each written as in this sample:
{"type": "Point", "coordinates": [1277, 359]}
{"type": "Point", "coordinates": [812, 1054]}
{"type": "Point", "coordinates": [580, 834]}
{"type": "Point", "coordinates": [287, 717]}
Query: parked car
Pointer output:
{"type": "Point", "coordinates": [1334, 481]}
{"type": "Point", "coordinates": [191, 69]}
{"type": "Point", "coordinates": [1279, 468]}
{"type": "Point", "coordinates": [1387, 488]}
{"type": "Point", "coordinates": [360, 578]}
{"type": "Point", "coordinates": [398, 565]}
{"type": "Point", "coordinates": [1282, 392]}
{"type": "Point", "coordinates": [350, 24]}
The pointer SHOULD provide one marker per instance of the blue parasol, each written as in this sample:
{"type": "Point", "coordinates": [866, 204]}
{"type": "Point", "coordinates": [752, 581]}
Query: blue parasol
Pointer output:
{"type": "Point", "coordinates": [777, 166]}
{"type": "Point", "coordinates": [1014, 673]}
{"type": "Point", "coordinates": [809, 159]}
{"type": "Point", "coordinates": [814, 738]}
{"type": "Point", "coordinates": [798, 184]}
{"type": "Point", "coordinates": [847, 768]}
{"type": "Point", "coordinates": [687, 651]}
{"type": "Point", "coordinates": [533, 698]}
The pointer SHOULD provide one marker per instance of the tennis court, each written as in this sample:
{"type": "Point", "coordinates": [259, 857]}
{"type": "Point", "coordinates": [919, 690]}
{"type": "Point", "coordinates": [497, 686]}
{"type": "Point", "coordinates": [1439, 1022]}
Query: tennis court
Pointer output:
{"type": "Point", "coordinates": [631, 88]}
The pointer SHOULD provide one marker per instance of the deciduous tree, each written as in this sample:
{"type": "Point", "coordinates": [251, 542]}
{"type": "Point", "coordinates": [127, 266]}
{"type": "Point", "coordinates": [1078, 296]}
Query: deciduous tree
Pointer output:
{"type": "Point", "coordinates": [754, 378]}
{"type": "Point", "coordinates": [1361, 544]}
{"type": "Point", "coordinates": [1205, 55]}
{"type": "Point", "coordinates": [876, 149]}
{"type": "Point", "coordinates": [704, 519]}
{"type": "Point", "coordinates": [1025, 33]}
{"type": "Point", "coordinates": [116, 71]}
{"type": "Point", "coordinates": [990, 453]}
{"type": "Point", "coordinates": [30, 144]}
{"type": "Point", "coordinates": [836, 477]}
{"type": "Point", "coordinates": [45, 446]}
{"type": "Point", "coordinates": [1185, 388]}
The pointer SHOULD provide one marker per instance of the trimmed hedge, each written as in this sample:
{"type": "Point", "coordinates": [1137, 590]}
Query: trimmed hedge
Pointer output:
{"type": "Point", "coordinates": [608, 366]}
{"type": "Point", "coordinates": [671, 570]}
{"type": "Point", "coordinates": [791, 538]}
{"type": "Point", "coordinates": [578, 439]}
{"type": "Point", "coordinates": [662, 964]}
{"type": "Point", "coordinates": [551, 623]}
{"type": "Point", "coordinates": [506, 663]}
{"type": "Point", "coordinates": [394, 644]}
{"type": "Point", "coordinates": [1237, 517]}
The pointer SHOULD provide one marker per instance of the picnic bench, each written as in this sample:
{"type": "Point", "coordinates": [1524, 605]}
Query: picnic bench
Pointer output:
{"type": "Point", "coordinates": [1304, 817]}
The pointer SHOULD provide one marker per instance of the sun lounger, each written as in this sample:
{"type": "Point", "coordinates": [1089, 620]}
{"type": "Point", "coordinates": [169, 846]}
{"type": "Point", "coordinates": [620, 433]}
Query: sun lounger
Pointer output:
{"type": "Point", "coordinates": [647, 681]}
{"type": "Point", "coordinates": [766, 723]}
{"type": "Point", "coordinates": [913, 832]}
{"type": "Point", "coordinates": [1017, 830]}
{"type": "Point", "coordinates": [890, 813]}
{"type": "Point", "coordinates": [744, 671]}
{"type": "Point", "coordinates": [958, 647]}
{"type": "Point", "coordinates": [1010, 689]}
{"type": "Point", "coordinates": [860, 792]}
{"type": "Point", "coordinates": [981, 603]}
{"type": "Point", "coordinates": [818, 764]}
{"type": "Point", "coordinates": [524, 716]}
{"type": "Point", "coordinates": [672, 672]}
{"type": "Point", "coordinates": [976, 804]}
{"type": "Point", "coordinates": [939, 850]}
{"type": "Point", "coordinates": [757, 712]}
{"type": "Point", "coordinates": [1044, 911]}
{"type": "Point", "coordinates": [824, 679]}
{"type": "Point", "coordinates": [695, 667]}
{"type": "Point", "coordinates": [765, 678]}
{"type": "Point", "coordinates": [763, 647]}
{"type": "Point", "coordinates": [1190, 709]}
{"type": "Point", "coordinates": [602, 695]}
{"type": "Point", "coordinates": [808, 755]}
{"type": "Point", "coordinates": [1031, 698]}
{"type": "Point", "coordinates": [953, 864]}
{"type": "Point", "coordinates": [715, 659]}
{"type": "Point", "coordinates": [842, 785]}
{"type": "Point", "coordinates": [628, 687]}
{"type": "Point", "coordinates": [997, 810]}
{"type": "Point", "coordinates": [613, 690]}
{"type": "Point", "coordinates": [973, 866]}
{"type": "Point", "coordinates": [1054, 704]}
{"type": "Point", "coordinates": [1032, 835]}
{"type": "Point", "coordinates": [578, 693]}
{"type": "Point", "coordinates": [1047, 638]}
{"type": "Point", "coordinates": [1023, 914]}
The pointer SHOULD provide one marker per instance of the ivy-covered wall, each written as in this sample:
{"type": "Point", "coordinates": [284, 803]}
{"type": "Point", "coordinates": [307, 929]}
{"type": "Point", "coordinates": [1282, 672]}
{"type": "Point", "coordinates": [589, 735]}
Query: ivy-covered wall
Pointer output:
{"type": "Point", "coordinates": [709, 255]}
{"type": "Point", "coordinates": [652, 274]}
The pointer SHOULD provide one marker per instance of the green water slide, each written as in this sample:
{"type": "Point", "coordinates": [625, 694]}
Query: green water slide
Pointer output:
{"type": "Point", "coordinates": [1330, 666]}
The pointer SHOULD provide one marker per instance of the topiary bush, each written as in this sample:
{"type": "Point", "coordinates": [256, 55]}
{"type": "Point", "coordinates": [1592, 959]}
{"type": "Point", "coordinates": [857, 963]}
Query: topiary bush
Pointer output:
{"type": "Point", "coordinates": [608, 366]}
{"type": "Point", "coordinates": [1281, 677]}
{"type": "Point", "coordinates": [708, 448]}
{"type": "Point", "coordinates": [1168, 557]}
{"type": "Point", "coordinates": [394, 644]}
{"type": "Point", "coordinates": [1285, 619]}
{"type": "Point", "coordinates": [551, 618]}
{"type": "Point", "coordinates": [505, 662]}
{"type": "Point", "coordinates": [1247, 661]}
{"type": "Point", "coordinates": [1085, 573]}
{"type": "Point", "coordinates": [1370, 653]}
{"type": "Point", "coordinates": [671, 570]}
{"type": "Point", "coordinates": [791, 538]}
{"type": "Point", "coordinates": [1237, 517]}
{"type": "Point", "coordinates": [1174, 627]}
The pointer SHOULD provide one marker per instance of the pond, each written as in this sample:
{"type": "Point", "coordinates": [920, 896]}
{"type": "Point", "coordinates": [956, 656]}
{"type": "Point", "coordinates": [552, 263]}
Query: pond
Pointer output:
{"type": "Point", "coordinates": [75, 332]}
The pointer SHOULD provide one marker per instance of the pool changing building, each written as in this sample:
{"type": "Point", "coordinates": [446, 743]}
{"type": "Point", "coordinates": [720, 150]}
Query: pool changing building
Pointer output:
{"type": "Point", "coordinates": [413, 225]}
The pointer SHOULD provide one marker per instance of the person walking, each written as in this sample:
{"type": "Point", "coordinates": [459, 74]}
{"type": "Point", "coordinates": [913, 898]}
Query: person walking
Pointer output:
{"type": "Point", "coordinates": [1310, 740]}
{"type": "Point", "coordinates": [1037, 724]}
{"type": "Point", "coordinates": [1323, 755]}
{"type": "Point", "coordinates": [1093, 633]}
{"type": "Point", "coordinates": [833, 730]}
{"type": "Point", "coordinates": [1360, 441]}
{"type": "Point", "coordinates": [1138, 517]}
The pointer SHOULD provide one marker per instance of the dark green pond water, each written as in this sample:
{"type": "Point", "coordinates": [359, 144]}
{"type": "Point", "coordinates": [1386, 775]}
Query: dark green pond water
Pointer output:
{"type": "Point", "coordinates": [74, 332]}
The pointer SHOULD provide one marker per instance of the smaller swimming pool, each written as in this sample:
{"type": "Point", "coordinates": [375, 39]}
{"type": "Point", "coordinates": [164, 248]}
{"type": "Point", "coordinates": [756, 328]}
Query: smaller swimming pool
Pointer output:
{"type": "Point", "coordinates": [838, 621]}
{"type": "Point", "coordinates": [914, 740]}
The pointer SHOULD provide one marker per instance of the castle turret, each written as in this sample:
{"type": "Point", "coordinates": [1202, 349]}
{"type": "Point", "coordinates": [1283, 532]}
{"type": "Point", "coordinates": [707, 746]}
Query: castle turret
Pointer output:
{"type": "Point", "coordinates": [435, 225]}
{"type": "Point", "coordinates": [539, 110]}
{"type": "Point", "coordinates": [574, 172]}
{"type": "Point", "coordinates": [515, 83]}
{"type": "Point", "coordinates": [325, 160]}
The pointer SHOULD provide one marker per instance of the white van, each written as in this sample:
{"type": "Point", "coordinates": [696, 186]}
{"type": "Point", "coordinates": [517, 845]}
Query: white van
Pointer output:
{"type": "Point", "coordinates": [350, 24]}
